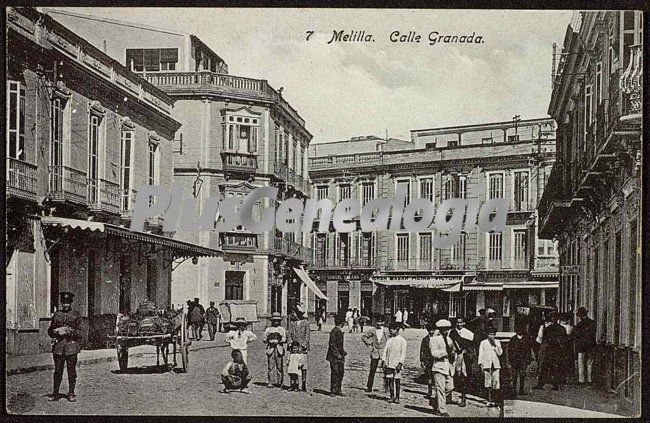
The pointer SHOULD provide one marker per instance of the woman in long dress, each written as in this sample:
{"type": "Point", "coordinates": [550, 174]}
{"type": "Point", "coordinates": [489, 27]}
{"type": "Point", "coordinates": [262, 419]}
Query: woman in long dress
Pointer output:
{"type": "Point", "coordinates": [349, 319]}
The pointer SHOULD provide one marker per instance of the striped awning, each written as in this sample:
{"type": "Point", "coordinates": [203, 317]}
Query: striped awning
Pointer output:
{"type": "Point", "coordinates": [448, 284]}
{"type": "Point", "coordinates": [181, 248]}
{"type": "Point", "coordinates": [309, 282]}
{"type": "Point", "coordinates": [483, 287]}
{"type": "Point", "coordinates": [531, 285]}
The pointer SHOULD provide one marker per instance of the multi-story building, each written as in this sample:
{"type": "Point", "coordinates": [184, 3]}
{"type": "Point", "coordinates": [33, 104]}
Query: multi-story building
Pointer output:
{"type": "Point", "coordinates": [83, 133]}
{"type": "Point", "coordinates": [237, 134]}
{"type": "Point", "coordinates": [383, 271]}
{"type": "Point", "coordinates": [593, 204]}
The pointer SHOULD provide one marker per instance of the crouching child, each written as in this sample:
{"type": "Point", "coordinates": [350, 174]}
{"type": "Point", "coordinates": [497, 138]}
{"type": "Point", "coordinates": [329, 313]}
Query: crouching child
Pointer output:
{"type": "Point", "coordinates": [235, 375]}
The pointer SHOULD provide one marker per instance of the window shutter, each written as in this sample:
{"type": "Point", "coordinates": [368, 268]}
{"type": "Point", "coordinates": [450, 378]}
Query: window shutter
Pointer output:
{"type": "Point", "coordinates": [168, 55]}
{"type": "Point", "coordinates": [152, 59]}
{"type": "Point", "coordinates": [134, 56]}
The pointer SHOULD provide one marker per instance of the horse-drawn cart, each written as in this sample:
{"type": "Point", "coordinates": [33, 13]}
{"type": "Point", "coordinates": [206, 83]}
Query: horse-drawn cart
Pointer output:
{"type": "Point", "coordinates": [177, 337]}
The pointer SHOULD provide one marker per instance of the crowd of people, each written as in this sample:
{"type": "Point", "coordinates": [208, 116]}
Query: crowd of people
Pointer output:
{"type": "Point", "coordinates": [464, 357]}
{"type": "Point", "coordinates": [458, 357]}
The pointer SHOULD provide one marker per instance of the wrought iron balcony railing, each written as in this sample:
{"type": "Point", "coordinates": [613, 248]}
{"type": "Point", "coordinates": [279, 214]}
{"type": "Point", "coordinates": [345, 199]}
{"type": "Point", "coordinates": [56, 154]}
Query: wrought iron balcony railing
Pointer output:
{"type": "Point", "coordinates": [345, 263]}
{"type": "Point", "coordinates": [21, 179]}
{"type": "Point", "coordinates": [411, 264]}
{"type": "Point", "coordinates": [292, 249]}
{"type": "Point", "coordinates": [104, 195]}
{"type": "Point", "coordinates": [67, 184]}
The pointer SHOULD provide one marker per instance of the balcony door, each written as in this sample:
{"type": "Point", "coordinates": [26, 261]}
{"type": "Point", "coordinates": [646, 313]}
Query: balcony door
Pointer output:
{"type": "Point", "coordinates": [56, 145]}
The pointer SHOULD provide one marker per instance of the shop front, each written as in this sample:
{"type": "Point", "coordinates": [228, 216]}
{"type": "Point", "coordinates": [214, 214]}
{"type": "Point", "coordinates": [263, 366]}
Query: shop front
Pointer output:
{"type": "Point", "coordinates": [111, 269]}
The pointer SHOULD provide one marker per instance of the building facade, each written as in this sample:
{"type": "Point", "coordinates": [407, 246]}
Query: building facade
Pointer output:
{"type": "Point", "coordinates": [593, 204]}
{"type": "Point", "coordinates": [83, 133]}
{"type": "Point", "coordinates": [385, 271]}
{"type": "Point", "coordinates": [237, 134]}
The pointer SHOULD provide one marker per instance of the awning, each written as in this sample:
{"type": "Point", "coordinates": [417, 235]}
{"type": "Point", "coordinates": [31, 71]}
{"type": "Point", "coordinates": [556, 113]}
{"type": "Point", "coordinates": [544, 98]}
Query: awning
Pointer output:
{"type": "Point", "coordinates": [310, 283]}
{"type": "Point", "coordinates": [448, 284]}
{"type": "Point", "coordinates": [182, 248]}
{"type": "Point", "coordinates": [483, 287]}
{"type": "Point", "coordinates": [532, 285]}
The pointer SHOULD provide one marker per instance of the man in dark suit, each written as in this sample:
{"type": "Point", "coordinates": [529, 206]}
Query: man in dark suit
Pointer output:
{"type": "Point", "coordinates": [376, 339]}
{"type": "Point", "coordinates": [520, 355]}
{"type": "Point", "coordinates": [585, 338]}
{"type": "Point", "coordinates": [426, 359]}
{"type": "Point", "coordinates": [336, 357]}
{"type": "Point", "coordinates": [552, 337]}
{"type": "Point", "coordinates": [67, 333]}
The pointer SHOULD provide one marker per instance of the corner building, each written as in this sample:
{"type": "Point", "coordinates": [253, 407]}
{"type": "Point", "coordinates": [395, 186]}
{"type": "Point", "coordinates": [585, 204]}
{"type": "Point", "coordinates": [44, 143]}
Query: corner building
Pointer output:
{"type": "Point", "coordinates": [593, 204]}
{"type": "Point", "coordinates": [83, 134]}
{"type": "Point", "coordinates": [237, 134]}
{"type": "Point", "coordinates": [381, 272]}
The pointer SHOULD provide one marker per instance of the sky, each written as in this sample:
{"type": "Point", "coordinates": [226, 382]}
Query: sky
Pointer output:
{"type": "Point", "coordinates": [347, 89]}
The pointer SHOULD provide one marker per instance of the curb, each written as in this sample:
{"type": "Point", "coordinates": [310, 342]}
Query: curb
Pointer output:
{"type": "Point", "coordinates": [24, 370]}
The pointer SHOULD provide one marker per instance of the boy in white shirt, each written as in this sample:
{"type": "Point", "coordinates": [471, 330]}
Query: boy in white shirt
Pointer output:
{"type": "Point", "coordinates": [488, 359]}
{"type": "Point", "coordinates": [239, 339]}
{"type": "Point", "coordinates": [393, 357]}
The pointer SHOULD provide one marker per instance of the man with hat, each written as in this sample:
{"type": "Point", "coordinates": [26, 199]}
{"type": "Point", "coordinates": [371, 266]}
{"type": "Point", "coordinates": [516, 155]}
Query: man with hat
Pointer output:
{"type": "Point", "coordinates": [443, 372]}
{"type": "Point", "coordinates": [336, 356]}
{"type": "Point", "coordinates": [488, 360]}
{"type": "Point", "coordinates": [462, 339]}
{"type": "Point", "coordinates": [240, 338]}
{"type": "Point", "coordinates": [585, 339]}
{"type": "Point", "coordinates": [275, 337]}
{"type": "Point", "coordinates": [376, 339]}
{"type": "Point", "coordinates": [212, 319]}
{"type": "Point", "coordinates": [550, 337]}
{"type": "Point", "coordinates": [299, 332]}
{"type": "Point", "coordinates": [67, 332]}
{"type": "Point", "coordinates": [426, 359]}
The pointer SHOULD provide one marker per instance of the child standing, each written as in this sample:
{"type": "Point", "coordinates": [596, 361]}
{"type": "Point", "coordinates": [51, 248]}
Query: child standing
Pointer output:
{"type": "Point", "coordinates": [393, 360]}
{"type": "Point", "coordinates": [235, 375]}
{"type": "Point", "coordinates": [296, 364]}
{"type": "Point", "coordinates": [239, 338]}
{"type": "Point", "coordinates": [488, 359]}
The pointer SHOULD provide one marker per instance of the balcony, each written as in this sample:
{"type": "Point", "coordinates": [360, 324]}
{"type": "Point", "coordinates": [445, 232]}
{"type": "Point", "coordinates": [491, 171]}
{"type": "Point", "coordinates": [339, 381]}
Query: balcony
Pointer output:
{"type": "Point", "coordinates": [411, 264]}
{"type": "Point", "coordinates": [351, 263]}
{"type": "Point", "coordinates": [67, 184]}
{"type": "Point", "coordinates": [104, 195]}
{"type": "Point", "coordinates": [490, 264]}
{"type": "Point", "coordinates": [631, 84]}
{"type": "Point", "coordinates": [21, 179]}
{"type": "Point", "coordinates": [344, 160]}
{"type": "Point", "coordinates": [230, 86]}
{"type": "Point", "coordinates": [127, 199]}
{"type": "Point", "coordinates": [453, 264]}
{"type": "Point", "coordinates": [290, 177]}
{"type": "Point", "coordinates": [291, 249]}
{"type": "Point", "coordinates": [242, 163]}
{"type": "Point", "coordinates": [554, 204]}
{"type": "Point", "coordinates": [238, 241]}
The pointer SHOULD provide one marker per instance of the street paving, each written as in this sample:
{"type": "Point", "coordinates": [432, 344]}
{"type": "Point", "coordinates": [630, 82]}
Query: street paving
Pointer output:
{"type": "Point", "coordinates": [147, 390]}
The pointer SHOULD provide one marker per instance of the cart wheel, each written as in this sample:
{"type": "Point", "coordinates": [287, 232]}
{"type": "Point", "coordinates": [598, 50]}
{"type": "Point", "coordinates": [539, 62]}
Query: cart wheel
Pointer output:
{"type": "Point", "coordinates": [123, 358]}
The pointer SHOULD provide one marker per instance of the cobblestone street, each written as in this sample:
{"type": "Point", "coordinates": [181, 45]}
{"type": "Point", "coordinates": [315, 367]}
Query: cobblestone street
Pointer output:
{"type": "Point", "coordinates": [101, 389]}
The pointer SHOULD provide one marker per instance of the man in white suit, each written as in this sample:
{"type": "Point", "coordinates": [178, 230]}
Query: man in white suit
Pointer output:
{"type": "Point", "coordinates": [376, 339]}
{"type": "Point", "coordinates": [443, 371]}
